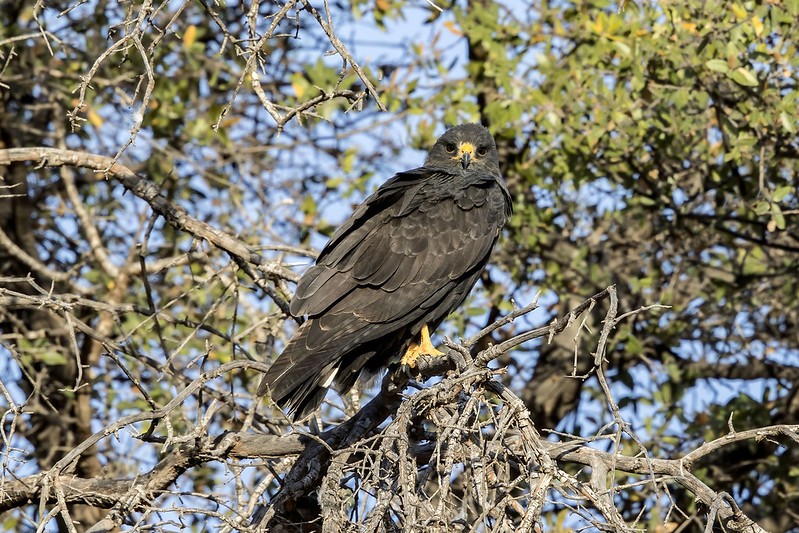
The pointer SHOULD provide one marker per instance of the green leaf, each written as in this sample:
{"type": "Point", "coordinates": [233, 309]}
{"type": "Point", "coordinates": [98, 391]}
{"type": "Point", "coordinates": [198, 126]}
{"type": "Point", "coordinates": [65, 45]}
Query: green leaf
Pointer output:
{"type": "Point", "coordinates": [334, 182]}
{"type": "Point", "coordinates": [777, 216]}
{"type": "Point", "coordinates": [746, 139]}
{"type": "Point", "coordinates": [753, 261]}
{"type": "Point", "coordinates": [623, 48]}
{"type": "Point", "coordinates": [348, 160]}
{"type": "Point", "coordinates": [475, 311]}
{"type": "Point", "coordinates": [308, 205]}
{"type": "Point", "coordinates": [739, 11]}
{"type": "Point", "coordinates": [634, 346]}
{"type": "Point", "coordinates": [51, 358]}
{"type": "Point", "coordinates": [663, 394]}
{"type": "Point", "coordinates": [745, 77]}
{"type": "Point", "coordinates": [761, 208]}
{"type": "Point", "coordinates": [645, 201]}
{"type": "Point", "coordinates": [788, 122]}
{"type": "Point", "coordinates": [781, 192]}
{"type": "Point", "coordinates": [717, 65]}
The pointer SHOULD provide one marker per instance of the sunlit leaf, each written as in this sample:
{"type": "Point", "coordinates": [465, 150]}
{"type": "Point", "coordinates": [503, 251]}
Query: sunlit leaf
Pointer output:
{"type": "Point", "coordinates": [717, 65]}
{"type": "Point", "coordinates": [744, 77]}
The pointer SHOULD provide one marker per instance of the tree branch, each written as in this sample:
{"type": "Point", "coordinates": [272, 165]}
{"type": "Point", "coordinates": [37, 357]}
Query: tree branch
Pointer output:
{"type": "Point", "coordinates": [175, 215]}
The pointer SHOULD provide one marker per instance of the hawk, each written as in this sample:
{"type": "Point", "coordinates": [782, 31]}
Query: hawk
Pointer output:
{"type": "Point", "coordinates": [406, 258]}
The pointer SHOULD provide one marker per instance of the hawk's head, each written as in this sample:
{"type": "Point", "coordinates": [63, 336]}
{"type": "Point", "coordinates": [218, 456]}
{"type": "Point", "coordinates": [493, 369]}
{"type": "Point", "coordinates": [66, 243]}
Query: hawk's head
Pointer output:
{"type": "Point", "coordinates": [468, 146]}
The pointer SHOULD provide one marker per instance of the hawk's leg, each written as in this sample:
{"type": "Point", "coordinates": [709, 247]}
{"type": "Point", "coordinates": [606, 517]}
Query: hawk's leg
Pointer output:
{"type": "Point", "coordinates": [423, 347]}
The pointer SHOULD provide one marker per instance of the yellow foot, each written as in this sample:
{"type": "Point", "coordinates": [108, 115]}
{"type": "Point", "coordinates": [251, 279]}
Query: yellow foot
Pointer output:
{"type": "Point", "coordinates": [423, 347]}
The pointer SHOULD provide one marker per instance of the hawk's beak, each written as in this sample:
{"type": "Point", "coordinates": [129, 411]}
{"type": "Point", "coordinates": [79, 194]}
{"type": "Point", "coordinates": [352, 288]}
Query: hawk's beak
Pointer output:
{"type": "Point", "coordinates": [467, 151]}
{"type": "Point", "coordinates": [466, 158]}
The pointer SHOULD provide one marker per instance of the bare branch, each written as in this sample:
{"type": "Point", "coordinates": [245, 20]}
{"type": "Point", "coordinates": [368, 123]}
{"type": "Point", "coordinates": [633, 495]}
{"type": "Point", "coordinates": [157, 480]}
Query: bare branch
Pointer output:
{"type": "Point", "coordinates": [149, 192]}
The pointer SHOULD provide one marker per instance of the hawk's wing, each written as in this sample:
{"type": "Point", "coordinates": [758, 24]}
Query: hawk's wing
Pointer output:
{"type": "Point", "coordinates": [403, 248]}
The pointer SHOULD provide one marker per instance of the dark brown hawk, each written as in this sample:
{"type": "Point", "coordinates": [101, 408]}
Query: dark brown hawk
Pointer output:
{"type": "Point", "coordinates": [405, 259]}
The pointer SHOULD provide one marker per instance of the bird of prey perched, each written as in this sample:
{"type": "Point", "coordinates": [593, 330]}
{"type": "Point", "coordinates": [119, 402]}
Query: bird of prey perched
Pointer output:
{"type": "Point", "coordinates": [406, 258]}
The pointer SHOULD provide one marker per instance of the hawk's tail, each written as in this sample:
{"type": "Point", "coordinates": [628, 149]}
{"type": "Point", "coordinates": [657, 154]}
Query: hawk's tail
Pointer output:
{"type": "Point", "coordinates": [298, 379]}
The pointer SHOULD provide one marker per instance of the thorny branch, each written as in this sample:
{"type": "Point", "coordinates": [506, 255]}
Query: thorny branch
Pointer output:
{"type": "Point", "coordinates": [401, 472]}
{"type": "Point", "coordinates": [474, 424]}
{"type": "Point", "coordinates": [139, 20]}
{"type": "Point", "coordinates": [249, 261]}
{"type": "Point", "coordinates": [459, 453]}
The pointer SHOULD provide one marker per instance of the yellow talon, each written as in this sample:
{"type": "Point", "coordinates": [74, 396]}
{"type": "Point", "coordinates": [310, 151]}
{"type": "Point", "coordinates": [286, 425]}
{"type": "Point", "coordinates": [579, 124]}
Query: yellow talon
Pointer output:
{"type": "Point", "coordinates": [424, 347]}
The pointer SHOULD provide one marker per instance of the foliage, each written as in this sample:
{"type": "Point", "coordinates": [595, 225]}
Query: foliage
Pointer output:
{"type": "Point", "coordinates": [652, 147]}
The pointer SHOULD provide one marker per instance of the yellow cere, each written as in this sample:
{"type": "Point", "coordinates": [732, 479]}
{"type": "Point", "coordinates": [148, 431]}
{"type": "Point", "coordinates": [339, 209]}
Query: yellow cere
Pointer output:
{"type": "Point", "coordinates": [464, 147]}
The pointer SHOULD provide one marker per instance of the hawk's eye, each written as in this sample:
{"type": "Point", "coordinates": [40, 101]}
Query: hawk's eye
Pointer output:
{"type": "Point", "coordinates": [449, 147]}
{"type": "Point", "coordinates": [482, 151]}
